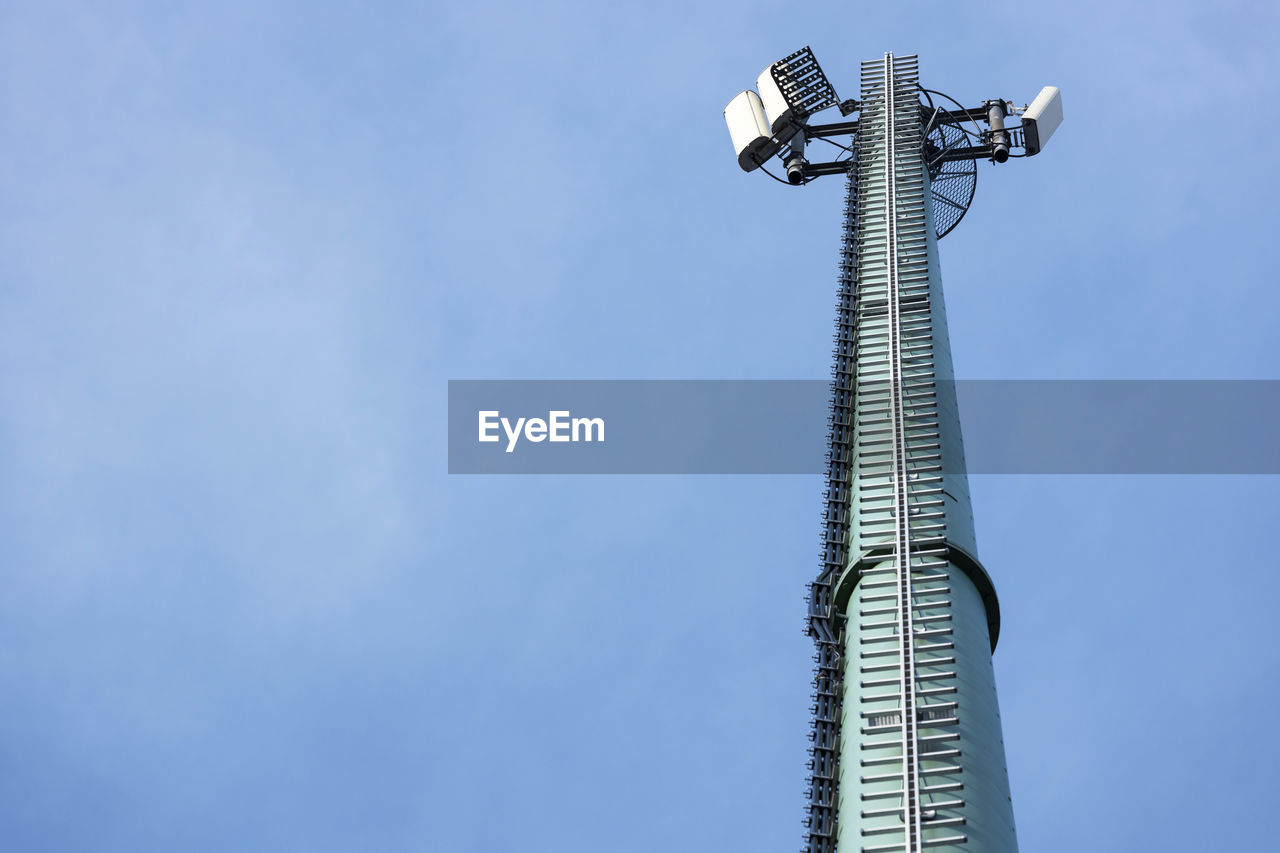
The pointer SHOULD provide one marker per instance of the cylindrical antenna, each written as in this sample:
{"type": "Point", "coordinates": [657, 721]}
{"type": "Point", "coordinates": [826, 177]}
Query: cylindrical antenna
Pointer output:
{"type": "Point", "coordinates": [999, 136]}
{"type": "Point", "coordinates": [795, 159]}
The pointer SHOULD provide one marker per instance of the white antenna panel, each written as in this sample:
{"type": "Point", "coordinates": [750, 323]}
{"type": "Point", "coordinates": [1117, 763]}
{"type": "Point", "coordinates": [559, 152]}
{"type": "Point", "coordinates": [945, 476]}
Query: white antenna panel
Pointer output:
{"type": "Point", "coordinates": [775, 104]}
{"type": "Point", "coordinates": [1041, 119]}
{"type": "Point", "coordinates": [749, 129]}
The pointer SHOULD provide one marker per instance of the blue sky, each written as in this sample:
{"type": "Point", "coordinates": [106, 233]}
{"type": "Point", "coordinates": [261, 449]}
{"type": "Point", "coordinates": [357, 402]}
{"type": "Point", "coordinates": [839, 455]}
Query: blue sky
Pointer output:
{"type": "Point", "coordinates": [244, 246]}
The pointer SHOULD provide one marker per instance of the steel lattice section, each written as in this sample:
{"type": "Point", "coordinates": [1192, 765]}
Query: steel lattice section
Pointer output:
{"type": "Point", "coordinates": [824, 624]}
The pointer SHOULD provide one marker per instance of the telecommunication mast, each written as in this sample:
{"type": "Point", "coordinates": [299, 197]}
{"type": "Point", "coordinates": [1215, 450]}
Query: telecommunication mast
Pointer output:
{"type": "Point", "coordinates": [907, 750]}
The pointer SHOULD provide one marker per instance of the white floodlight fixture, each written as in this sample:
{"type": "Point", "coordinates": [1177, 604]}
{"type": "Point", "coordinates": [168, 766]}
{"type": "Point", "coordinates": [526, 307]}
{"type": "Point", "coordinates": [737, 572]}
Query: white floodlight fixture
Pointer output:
{"type": "Point", "coordinates": [776, 108]}
{"type": "Point", "coordinates": [1041, 119]}
{"type": "Point", "coordinates": [749, 130]}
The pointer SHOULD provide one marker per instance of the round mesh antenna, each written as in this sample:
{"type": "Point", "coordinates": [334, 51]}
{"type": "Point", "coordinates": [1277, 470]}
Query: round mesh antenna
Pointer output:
{"type": "Point", "coordinates": [952, 181]}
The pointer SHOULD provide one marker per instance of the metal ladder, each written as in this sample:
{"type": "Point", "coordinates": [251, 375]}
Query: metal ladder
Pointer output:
{"type": "Point", "coordinates": [903, 648]}
{"type": "Point", "coordinates": [824, 624]}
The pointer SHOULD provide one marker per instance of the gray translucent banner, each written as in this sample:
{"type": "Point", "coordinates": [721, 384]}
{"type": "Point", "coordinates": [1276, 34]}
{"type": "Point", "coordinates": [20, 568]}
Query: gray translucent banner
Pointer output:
{"type": "Point", "coordinates": [779, 426]}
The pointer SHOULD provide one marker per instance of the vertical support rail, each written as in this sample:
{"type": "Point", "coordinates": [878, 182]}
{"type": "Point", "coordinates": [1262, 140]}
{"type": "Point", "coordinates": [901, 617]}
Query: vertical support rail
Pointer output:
{"type": "Point", "coordinates": [902, 534]}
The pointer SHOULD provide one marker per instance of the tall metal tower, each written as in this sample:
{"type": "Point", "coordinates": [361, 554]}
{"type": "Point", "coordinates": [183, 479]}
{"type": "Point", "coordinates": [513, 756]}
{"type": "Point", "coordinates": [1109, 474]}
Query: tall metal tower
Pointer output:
{"type": "Point", "coordinates": [907, 749]}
